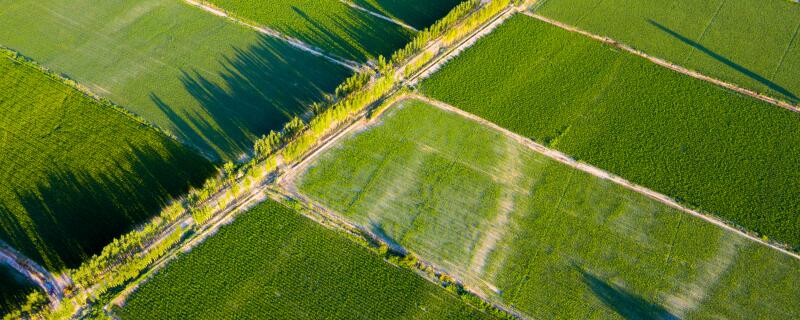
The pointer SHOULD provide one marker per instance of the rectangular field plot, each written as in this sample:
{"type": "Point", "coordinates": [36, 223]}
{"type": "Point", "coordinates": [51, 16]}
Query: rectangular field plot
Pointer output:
{"type": "Point", "coordinates": [76, 173]}
{"type": "Point", "coordinates": [273, 262]}
{"type": "Point", "coordinates": [552, 241]}
{"type": "Point", "coordinates": [727, 154]}
{"type": "Point", "coordinates": [752, 43]}
{"type": "Point", "coordinates": [212, 82]}
{"type": "Point", "coordinates": [331, 25]}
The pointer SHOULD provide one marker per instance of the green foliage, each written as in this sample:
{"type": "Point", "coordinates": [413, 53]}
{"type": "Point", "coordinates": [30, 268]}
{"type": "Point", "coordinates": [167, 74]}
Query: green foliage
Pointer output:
{"type": "Point", "coordinates": [77, 173]}
{"type": "Point", "coordinates": [15, 290]}
{"type": "Point", "coordinates": [533, 233]}
{"type": "Point", "coordinates": [214, 84]}
{"type": "Point", "coordinates": [330, 25]}
{"type": "Point", "coordinates": [434, 31]}
{"type": "Point", "coordinates": [713, 37]}
{"type": "Point", "coordinates": [273, 261]}
{"type": "Point", "coordinates": [416, 13]}
{"type": "Point", "coordinates": [726, 154]}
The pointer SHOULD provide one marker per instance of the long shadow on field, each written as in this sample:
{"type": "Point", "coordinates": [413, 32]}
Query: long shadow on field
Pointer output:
{"type": "Point", "coordinates": [70, 215]}
{"type": "Point", "coordinates": [377, 229]}
{"type": "Point", "coordinates": [626, 304]}
{"type": "Point", "coordinates": [260, 88]}
{"type": "Point", "coordinates": [418, 14]}
{"type": "Point", "coordinates": [360, 35]}
{"type": "Point", "coordinates": [752, 75]}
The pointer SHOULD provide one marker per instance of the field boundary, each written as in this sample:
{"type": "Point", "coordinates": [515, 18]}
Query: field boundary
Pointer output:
{"type": "Point", "coordinates": [667, 64]}
{"type": "Point", "coordinates": [294, 42]}
{"type": "Point", "coordinates": [600, 173]}
{"type": "Point", "coordinates": [378, 15]}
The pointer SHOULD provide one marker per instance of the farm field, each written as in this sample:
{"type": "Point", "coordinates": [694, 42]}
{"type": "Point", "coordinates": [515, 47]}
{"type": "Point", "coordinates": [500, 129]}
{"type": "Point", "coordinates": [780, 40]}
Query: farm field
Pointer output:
{"type": "Point", "coordinates": [713, 37]}
{"type": "Point", "coordinates": [213, 83]}
{"type": "Point", "coordinates": [272, 261]}
{"type": "Point", "coordinates": [707, 147]}
{"type": "Point", "coordinates": [77, 173]}
{"type": "Point", "coordinates": [417, 13]}
{"type": "Point", "coordinates": [13, 289]}
{"type": "Point", "coordinates": [328, 24]}
{"type": "Point", "coordinates": [550, 240]}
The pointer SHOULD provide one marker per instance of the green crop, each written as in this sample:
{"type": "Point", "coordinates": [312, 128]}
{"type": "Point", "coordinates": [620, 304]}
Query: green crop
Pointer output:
{"type": "Point", "coordinates": [550, 240]}
{"type": "Point", "coordinates": [417, 13]}
{"type": "Point", "coordinates": [273, 263]}
{"type": "Point", "coordinates": [328, 24]}
{"type": "Point", "coordinates": [727, 154]}
{"type": "Point", "coordinates": [215, 84]}
{"type": "Point", "coordinates": [752, 43]}
{"type": "Point", "coordinates": [76, 172]}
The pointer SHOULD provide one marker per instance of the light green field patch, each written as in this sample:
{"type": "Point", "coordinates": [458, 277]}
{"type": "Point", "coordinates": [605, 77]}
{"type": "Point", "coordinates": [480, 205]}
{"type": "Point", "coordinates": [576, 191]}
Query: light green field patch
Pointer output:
{"type": "Point", "coordinates": [571, 246]}
{"type": "Point", "coordinates": [740, 41]}
{"type": "Point", "coordinates": [215, 84]}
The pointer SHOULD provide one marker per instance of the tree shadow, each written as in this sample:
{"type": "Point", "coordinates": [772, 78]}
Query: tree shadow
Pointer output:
{"type": "Point", "coordinates": [358, 36]}
{"type": "Point", "coordinates": [69, 215]}
{"type": "Point", "coordinates": [625, 303]}
{"type": "Point", "coordinates": [261, 88]}
{"type": "Point", "coordinates": [377, 229]}
{"type": "Point", "coordinates": [418, 14]}
{"type": "Point", "coordinates": [741, 69]}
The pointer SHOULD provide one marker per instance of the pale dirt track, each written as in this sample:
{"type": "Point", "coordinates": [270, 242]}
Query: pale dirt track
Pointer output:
{"type": "Point", "coordinates": [378, 15]}
{"type": "Point", "coordinates": [52, 285]}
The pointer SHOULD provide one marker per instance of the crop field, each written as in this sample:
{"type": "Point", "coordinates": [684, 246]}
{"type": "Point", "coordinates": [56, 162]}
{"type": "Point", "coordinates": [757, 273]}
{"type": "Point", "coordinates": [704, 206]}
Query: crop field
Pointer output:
{"type": "Point", "coordinates": [213, 83]}
{"type": "Point", "coordinates": [328, 24]}
{"type": "Point", "coordinates": [75, 172]}
{"type": "Point", "coordinates": [13, 289]}
{"type": "Point", "coordinates": [727, 154]}
{"type": "Point", "coordinates": [416, 13]}
{"type": "Point", "coordinates": [550, 240]}
{"type": "Point", "coordinates": [713, 37]}
{"type": "Point", "coordinates": [272, 261]}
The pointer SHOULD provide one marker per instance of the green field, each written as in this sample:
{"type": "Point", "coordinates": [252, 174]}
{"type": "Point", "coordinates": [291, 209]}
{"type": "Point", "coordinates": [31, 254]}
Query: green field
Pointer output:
{"type": "Point", "coordinates": [213, 83]}
{"type": "Point", "coordinates": [550, 240]}
{"type": "Point", "coordinates": [707, 147]}
{"type": "Point", "coordinates": [272, 261]}
{"type": "Point", "coordinates": [13, 289]}
{"type": "Point", "coordinates": [328, 24]}
{"type": "Point", "coordinates": [77, 173]}
{"type": "Point", "coordinates": [416, 13]}
{"type": "Point", "coordinates": [753, 43]}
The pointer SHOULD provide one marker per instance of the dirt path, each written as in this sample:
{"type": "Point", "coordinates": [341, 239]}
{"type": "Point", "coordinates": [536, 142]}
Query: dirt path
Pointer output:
{"type": "Point", "coordinates": [667, 64]}
{"type": "Point", "coordinates": [378, 15]}
{"type": "Point", "coordinates": [52, 285]}
{"type": "Point", "coordinates": [297, 43]}
{"type": "Point", "coordinates": [597, 172]}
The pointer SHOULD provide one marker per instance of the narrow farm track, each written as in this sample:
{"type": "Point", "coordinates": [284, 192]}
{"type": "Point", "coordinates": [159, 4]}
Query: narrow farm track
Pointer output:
{"type": "Point", "coordinates": [352, 65]}
{"type": "Point", "coordinates": [597, 172]}
{"type": "Point", "coordinates": [378, 15]}
{"type": "Point", "coordinates": [667, 64]}
{"type": "Point", "coordinates": [52, 285]}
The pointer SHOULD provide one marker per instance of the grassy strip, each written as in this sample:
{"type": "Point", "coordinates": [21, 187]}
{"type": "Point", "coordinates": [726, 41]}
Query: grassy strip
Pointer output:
{"type": "Point", "coordinates": [726, 154]}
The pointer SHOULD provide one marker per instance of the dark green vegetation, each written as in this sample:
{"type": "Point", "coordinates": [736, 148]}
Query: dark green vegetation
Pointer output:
{"type": "Point", "coordinates": [328, 24]}
{"type": "Point", "coordinates": [14, 289]}
{"type": "Point", "coordinates": [213, 83]}
{"type": "Point", "coordinates": [77, 173]}
{"type": "Point", "coordinates": [417, 13]}
{"type": "Point", "coordinates": [271, 261]}
{"type": "Point", "coordinates": [724, 153]}
{"type": "Point", "coordinates": [550, 240]}
{"type": "Point", "coordinates": [753, 43]}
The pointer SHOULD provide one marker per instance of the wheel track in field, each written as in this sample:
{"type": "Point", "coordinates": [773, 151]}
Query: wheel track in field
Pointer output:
{"type": "Point", "coordinates": [667, 64]}
{"type": "Point", "coordinates": [378, 15]}
{"type": "Point", "coordinates": [294, 42]}
{"type": "Point", "coordinates": [600, 173]}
